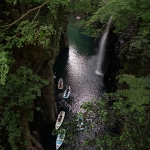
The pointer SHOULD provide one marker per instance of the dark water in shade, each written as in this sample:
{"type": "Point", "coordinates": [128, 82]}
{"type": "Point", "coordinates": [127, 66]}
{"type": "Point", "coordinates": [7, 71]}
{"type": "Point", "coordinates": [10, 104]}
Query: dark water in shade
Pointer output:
{"type": "Point", "coordinates": [77, 68]}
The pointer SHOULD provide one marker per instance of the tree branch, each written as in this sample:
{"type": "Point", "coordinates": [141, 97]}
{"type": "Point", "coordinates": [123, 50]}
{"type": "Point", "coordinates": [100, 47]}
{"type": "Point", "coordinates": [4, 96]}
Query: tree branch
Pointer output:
{"type": "Point", "coordinates": [38, 7]}
{"type": "Point", "coordinates": [36, 14]}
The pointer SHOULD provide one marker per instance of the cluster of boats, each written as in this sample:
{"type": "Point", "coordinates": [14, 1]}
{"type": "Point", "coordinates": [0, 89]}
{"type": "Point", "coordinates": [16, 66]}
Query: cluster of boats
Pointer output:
{"type": "Point", "coordinates": [80, 125]}
{"type": "Point", "coordinates": [61, 86]}
{"type": "Point", "coordinates": [61, 135]}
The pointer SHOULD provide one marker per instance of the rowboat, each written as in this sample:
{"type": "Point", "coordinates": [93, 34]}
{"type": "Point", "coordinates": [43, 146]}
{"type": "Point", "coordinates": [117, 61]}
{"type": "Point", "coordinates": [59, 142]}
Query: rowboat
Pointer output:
{"type": "Point", "coordinates": [60, 83]}
{"type": "Point", "coordinates": [60, 138]}
{"type": "Point", "coordinates": [80, 125]}
{"type": "Point", "coordinates": [60, 119]}
{"type": "Point", "coordinates": [66, 93]}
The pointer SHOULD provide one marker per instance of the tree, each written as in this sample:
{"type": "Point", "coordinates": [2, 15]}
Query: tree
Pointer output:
{"type": "Point", "coordinates": [21, 31]}
{"type": "Point", "coordinates": [124, 12]}
{"type": "Point", "coordinates": [30, 32]}
{"type": "Point", "coordinates": [16, 104]}
{"type": "Point", "coordinates": [131, 24]}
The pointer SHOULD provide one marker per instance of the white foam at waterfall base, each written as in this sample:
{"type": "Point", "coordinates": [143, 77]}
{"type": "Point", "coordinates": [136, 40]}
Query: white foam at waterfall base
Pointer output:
{"type": "Point", "coordinates": [99, 73]}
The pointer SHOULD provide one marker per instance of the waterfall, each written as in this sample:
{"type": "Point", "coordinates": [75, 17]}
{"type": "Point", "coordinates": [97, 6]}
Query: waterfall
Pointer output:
{"type": "Point", "coordinates": [101, 53]}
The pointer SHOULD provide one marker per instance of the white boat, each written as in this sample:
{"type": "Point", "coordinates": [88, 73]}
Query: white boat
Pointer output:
{"type": "Point", "coordinates": [60, 138]}
{"type": "Point", "coordinates": [60, 83]}
{"type": "Point", "coordinates": [60, 119]}
{"type": "Point", "coordinates": [66, 93]}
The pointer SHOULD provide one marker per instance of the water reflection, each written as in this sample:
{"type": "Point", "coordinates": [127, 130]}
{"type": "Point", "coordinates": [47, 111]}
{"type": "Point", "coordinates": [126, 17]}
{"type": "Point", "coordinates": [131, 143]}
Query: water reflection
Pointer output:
{"type": "Point", "coordinates": [78, 71]}
{"type": "Point", "coordinates": [82, 43]}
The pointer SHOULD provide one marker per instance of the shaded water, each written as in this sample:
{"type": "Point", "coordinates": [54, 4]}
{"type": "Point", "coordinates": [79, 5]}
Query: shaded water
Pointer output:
{"type": "Point", "coordinates": [77, 68]}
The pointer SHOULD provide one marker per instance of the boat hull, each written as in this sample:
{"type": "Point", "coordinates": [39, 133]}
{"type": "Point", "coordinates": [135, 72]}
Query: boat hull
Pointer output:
{"type": "Point", "coordinates": [66, 93]}
{"type": "Point", "coordinates": [60, 119]}
{"type": "Point", "coordinates": [60, 139]}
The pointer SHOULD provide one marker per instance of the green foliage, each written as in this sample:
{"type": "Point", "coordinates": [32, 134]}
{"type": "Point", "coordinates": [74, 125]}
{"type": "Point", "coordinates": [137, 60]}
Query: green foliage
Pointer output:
{"type": "Point", "coordinates": [137, 95]}
{"type": "Point", "coordinates": [55, 3]}
{"type": "Point", "coordinates": [37, 28]}
{"type": "Point", "coordinates": [123, 116]}
{"type": "Point", "coordinates": [30, 33]}
{"type": "Point", "coordinates": [137, 50]}
{"type": "Point", "coordinates": [5, 60]}
{"type": "Point", "coordinates": [16, 100]}
{"type": "Point", "coordinates": [124, 12]}
{"type": "Point", "coordinates": [2, 148]}
{"type": "Point", "coordinates": [26, 1]}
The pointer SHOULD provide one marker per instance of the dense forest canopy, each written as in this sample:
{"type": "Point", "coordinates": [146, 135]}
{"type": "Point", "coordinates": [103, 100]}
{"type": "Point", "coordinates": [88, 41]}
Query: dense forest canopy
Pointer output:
{"type": "Point", "coordinates": [30, 33]}
{"type": "Point", "coordinates": [26, 23]}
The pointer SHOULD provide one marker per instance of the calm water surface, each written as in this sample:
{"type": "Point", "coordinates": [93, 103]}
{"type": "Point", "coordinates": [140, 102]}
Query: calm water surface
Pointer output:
{"type": "Point", "coordinates": [77, 68]}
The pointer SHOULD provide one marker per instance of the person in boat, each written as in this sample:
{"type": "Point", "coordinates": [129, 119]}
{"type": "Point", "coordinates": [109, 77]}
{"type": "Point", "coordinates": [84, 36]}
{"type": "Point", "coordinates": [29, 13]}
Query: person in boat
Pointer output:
{"type": "Point", "coordinates": [67, 90]}
{"type": "Point", "coordinates": [60, 85]}
{"type": "Point", "coordinates": [59, 119]}
{"type": "Point", "coordinates": [80, 120]}
{"type": "Point", "coordinates": [80, 125]}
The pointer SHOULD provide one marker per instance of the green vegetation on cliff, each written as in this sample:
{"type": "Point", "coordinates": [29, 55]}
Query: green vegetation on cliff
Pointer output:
{"type": "Point", "coordinates": [16, 104]}
{"type": "Point", "coordinates": [124, 116]}
{"type": "Point", "coordinates": [30, 33]}
{"type": "Point", "coordinates": [27, 24]}
{"type": "Point", "coordinates": [125, 113]}
{"type": "Point", "coordinates": [131, 21]}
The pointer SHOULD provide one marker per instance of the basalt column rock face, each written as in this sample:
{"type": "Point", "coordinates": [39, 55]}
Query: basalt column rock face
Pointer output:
{"type": "Point", "coordinates": [64, 44]}
{"type": "Point", "coordinates": [112, 62]}
{"type": "Point", "coordinates": [47, 100]}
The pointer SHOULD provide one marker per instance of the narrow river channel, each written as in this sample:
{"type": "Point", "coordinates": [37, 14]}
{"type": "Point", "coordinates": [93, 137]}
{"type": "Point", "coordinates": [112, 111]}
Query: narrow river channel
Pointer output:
{"type": "Point", "coordinates": [77, 68]}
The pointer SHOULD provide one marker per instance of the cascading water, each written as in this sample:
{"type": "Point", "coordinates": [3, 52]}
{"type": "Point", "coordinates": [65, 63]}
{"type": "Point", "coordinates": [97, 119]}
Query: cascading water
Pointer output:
{"type": "Point", "coordinates": [101, 54]}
